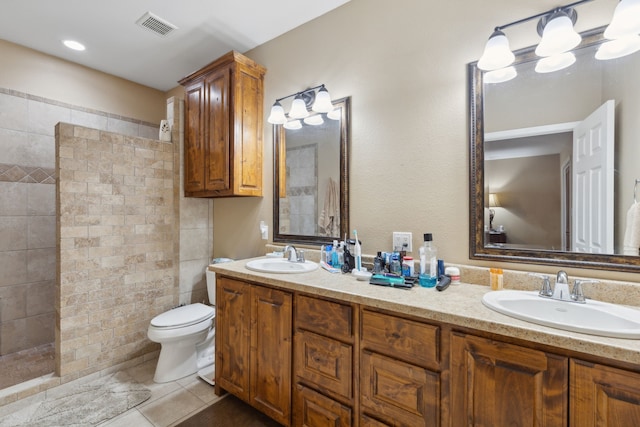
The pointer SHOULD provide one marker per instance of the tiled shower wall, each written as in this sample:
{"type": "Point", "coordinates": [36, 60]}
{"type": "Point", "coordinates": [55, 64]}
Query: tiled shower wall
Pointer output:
{"type": "Point", "coordinates": [27, 210]}
{"type": "Point", "coordinates": [118, 242]}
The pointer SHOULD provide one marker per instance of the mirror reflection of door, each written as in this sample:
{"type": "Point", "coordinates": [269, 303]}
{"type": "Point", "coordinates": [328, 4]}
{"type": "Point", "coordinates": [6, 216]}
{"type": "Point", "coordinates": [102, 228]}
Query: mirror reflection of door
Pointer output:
{"type": "Point", "coordinates": [552, 181]}
{"type": "Point", "coordinates": [593, 148]}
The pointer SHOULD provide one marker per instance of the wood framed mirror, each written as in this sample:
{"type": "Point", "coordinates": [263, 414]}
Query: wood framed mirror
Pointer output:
{"type": "Point", "coordinates": [540, 216]}
{"type": "Point", "coordinates": [311, 179]}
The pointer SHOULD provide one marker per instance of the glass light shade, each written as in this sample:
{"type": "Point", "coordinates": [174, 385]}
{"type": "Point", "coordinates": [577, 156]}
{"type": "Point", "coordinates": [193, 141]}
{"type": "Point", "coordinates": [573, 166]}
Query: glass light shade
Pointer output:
{"type": "Point", "coordinates": [298, 108]}
{"type": "Point", "coordinates": [497, 53]}
{"type": "Point", "coordinates": [625, 21]}
{"type": "Point", "coordinates": [293, 125]}
{"type": "Point", "coordinates": [277, 117]}
{"type": "Point", "coordinates": [334, 114]}
{"type": "Point", "coordinates": [555, 62]}
{"type": "Point", "coordinates": [322, 103]}
{"type": "Point", "coordinates": [314, 120]}
{"type": "Point", "coordinates": [501, 75]}
{"type": "Point", "coordinates": [618, 48]}
{"type": "Point", "coordinates": [558, 36]}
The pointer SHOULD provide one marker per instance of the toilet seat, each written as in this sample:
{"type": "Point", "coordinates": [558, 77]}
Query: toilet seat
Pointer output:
{"type": "Point", "coordinates": [183, 316]}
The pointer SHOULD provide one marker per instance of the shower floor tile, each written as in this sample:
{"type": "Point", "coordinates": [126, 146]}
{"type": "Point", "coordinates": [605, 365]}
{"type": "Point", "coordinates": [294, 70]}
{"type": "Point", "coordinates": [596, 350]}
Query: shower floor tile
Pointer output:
{"type": "Point", "coordinates": [26, 365]}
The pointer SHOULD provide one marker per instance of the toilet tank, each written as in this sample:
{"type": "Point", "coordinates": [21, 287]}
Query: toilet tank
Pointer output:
{"type": "Point", "coordinates": [211, 279]}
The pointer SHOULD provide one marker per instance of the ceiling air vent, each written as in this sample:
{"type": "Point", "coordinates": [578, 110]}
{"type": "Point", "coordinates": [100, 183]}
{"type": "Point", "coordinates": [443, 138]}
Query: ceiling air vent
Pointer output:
{"type": "Point", "coordinates": [156, 24]}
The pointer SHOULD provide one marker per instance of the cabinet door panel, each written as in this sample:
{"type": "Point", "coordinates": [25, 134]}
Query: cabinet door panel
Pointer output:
{"type": "Point", "coordinates": [247, 139]}
{"type": "Point", "coordinates": [217, 168]}
{"type": "Point", "coordinates": [233, 307]}
{"type": "Point", "coordinates": [271, 312]}
{"type": "Point", "coordinates": [194, 150]}
{"type": "Point", "coordinates": [394, 390]}
{"type": "Point", "coordinates": [499, 384]}
{"type": "Point", "coordinates": [604, 396]}
{"type": "Point", "coordinates": [315, 410]}
{"type": "Point", "coordinates": [324, 362]}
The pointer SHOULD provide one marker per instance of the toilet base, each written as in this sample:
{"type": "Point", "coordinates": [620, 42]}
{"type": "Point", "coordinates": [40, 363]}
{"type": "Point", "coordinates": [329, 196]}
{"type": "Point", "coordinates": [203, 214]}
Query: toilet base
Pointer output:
{"type": "Point", "coordinates": [179, 359]}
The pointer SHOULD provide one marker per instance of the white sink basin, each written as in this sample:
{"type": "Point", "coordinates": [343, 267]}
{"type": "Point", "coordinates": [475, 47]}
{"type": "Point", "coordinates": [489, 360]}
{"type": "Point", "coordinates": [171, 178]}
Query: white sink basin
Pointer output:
{"type": "Point", "coordinates": [593, 317]}
{"type": "Point", "coordinates": [280, 265]}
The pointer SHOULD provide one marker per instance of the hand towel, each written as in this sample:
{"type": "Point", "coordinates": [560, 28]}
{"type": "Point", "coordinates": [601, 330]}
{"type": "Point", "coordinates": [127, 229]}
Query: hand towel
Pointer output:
{"type": "Point", "coordinates": [329, 221]}
{"type": "Point", "coordinates": [632, 231]}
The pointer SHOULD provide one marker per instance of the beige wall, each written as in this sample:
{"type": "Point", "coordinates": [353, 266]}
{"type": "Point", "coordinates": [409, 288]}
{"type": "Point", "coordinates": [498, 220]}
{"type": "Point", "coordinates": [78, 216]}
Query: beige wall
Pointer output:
{"type": "Point", "coordinates": [35, 73]}
{"type": "Point", "coordinates": [405, 67]}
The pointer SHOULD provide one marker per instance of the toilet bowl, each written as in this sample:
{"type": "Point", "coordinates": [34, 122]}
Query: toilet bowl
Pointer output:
{"type": "Point", "coordinates": [186, 335]}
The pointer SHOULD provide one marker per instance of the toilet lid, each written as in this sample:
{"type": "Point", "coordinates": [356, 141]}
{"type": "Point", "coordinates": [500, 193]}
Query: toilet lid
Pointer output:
{"type": "Point", "coordinates": [183, 316]}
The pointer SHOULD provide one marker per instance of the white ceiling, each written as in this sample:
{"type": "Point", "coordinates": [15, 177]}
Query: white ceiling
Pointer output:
{"type": "Point", "coordinates": [207, 29]}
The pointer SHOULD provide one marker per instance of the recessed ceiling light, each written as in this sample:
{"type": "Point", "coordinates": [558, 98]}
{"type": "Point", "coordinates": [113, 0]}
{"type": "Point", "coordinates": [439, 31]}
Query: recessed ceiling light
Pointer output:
{"type": "Point", "coordinates": [72, 44]}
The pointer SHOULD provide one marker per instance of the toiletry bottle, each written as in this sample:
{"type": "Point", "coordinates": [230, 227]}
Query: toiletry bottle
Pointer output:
{"type": "Point", "coordinates": [323, 254]}
{"type": "Point", "coordinates": [340, 254]}
{"type": "Point", "coordinates": [407, 266]}
{"type": "Point", "coordinates": [428, 263]}
{"type": "Point", "coordinates": [378, 264]}
{"type": "Point", "coordinates": [495, 278]}
{"type": "Point", "coordinates": [357, 251]}
{"type": "Point", "coordinates": [327, 254]}
{"type": "Point", "coordinates": [395, 267]}
{"type": "Point", "coordinates": [334, 255]}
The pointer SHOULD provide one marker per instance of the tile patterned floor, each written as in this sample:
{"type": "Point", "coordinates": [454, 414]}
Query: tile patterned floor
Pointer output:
{"type": "Point", "coordinates": [26, 365]}
{"type": "Point", "coordinates": [169, 404]}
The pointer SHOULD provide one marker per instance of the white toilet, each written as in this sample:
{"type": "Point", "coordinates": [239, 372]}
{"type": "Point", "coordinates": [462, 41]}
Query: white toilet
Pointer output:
{"type": "Point", "coordinates": [186, 335]}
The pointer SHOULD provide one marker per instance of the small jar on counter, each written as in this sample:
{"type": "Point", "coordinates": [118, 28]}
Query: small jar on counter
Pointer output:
{"type": "Point", "coordinates": [454, 274]}
{"type": "Point", "coordinates": [495, 279]}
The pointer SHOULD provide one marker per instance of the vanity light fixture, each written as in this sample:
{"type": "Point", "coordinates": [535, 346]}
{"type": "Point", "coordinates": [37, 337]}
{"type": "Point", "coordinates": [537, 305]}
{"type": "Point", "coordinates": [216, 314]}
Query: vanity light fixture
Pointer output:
{"type": "Point", "coordinates": [558, 37]}
{"type": "Point", "coordinates": [320, 103]}
{"type": "Point", "coordinates": [625, 21]}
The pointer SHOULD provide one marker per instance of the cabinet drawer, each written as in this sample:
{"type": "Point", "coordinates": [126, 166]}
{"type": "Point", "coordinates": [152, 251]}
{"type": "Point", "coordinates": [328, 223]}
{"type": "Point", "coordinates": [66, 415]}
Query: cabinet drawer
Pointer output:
{"type": "Point", "coordinates": [403, 394]}
{"type": "Point", "coordinates": [366, 421]}
{"type": "Point", "coordinates": [312, 409]}
{"type": "Point", "coordinates": [324, 317]}
{"type": "Point", "coordinates": [408, 340]}
{"type": "Point", "coordinates": [324, 362]}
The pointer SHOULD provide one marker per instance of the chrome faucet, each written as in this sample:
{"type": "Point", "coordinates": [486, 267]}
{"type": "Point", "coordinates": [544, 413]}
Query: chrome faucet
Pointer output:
{"type": "Point", "coordinates": [293, 255]}
{"type": "Point", "coordinates": [560, 290]}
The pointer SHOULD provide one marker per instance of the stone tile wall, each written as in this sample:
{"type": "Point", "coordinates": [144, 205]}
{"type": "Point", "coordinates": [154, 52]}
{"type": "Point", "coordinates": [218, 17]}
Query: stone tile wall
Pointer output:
{"type": "Point", "coordinates": [196, 222]}
{"type": "Point", "coordinates": [27, 210]}
{"type": "Point", "coordinates": [116, 235]}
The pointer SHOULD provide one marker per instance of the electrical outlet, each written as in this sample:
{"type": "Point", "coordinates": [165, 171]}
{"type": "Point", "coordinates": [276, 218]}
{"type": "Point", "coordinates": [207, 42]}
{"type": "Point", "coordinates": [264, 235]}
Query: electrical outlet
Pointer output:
{"type": "Point", "coordinates": [402, 240]}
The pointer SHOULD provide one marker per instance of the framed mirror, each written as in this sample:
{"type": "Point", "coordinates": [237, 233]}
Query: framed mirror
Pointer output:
{"type": "Point", "coordinates": [311, 178]}
{"type": "Point", "coordinates": [532, 199]}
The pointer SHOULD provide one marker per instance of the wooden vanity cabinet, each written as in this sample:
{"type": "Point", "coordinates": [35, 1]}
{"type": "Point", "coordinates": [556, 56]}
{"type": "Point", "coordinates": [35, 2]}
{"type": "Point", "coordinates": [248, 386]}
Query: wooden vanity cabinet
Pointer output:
{"type": "Point", "coordinates": [498, 384]}
{"type": "Point", "coordinates": [324, 352]}
{"type": "Point", "coordinates": [603, 396]}
{"type": "Point", "coordinates": [400, 364]}
{"type": "Point", "coordinates": [253, 346]}
{"type": "Point", "coordinates": [223, 128]}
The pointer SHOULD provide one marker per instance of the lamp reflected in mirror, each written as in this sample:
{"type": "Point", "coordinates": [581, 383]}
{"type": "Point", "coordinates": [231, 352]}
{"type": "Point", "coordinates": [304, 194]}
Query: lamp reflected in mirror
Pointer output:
{"type": "Point", "coordinates": [493, 203]}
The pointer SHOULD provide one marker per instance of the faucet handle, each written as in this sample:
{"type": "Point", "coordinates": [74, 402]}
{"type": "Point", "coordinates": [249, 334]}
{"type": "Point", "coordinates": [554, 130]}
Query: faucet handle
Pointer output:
{"type": "Point", "coordinates": [577, 293]}
{"type": "Point", "coordinates": [301, 256]}
{"type": "Point", "coordinates": [546, 290]}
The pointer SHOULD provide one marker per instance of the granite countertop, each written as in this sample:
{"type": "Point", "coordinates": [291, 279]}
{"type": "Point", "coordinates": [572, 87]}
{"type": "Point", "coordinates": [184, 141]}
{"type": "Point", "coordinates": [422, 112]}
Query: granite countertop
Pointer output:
{"type": "Point", "coordinates": [459, 305]}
